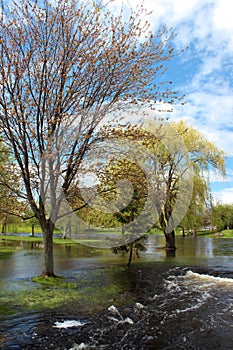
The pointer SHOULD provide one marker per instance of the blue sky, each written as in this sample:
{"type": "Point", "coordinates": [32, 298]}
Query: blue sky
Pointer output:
{"type": "Point", "coordinates": [204, 73]}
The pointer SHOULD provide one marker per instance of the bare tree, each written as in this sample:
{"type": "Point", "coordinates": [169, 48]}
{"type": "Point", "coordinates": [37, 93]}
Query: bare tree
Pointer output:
{"type": "Point", "coordinates": [64, 67]}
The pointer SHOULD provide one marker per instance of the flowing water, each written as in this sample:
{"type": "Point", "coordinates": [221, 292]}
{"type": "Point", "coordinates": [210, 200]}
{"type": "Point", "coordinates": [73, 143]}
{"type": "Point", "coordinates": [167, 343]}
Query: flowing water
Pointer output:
{"type": "Point", "coordinates": [161, 302]}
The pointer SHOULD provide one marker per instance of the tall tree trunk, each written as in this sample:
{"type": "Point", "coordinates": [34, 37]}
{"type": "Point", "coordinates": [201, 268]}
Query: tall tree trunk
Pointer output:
{"type": "Point", "coordinates": [48, 266]}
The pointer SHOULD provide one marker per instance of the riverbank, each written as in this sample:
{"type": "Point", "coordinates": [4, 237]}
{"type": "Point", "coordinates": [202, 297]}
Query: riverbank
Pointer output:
{"type": "Point", "coordinates": [26, 237]}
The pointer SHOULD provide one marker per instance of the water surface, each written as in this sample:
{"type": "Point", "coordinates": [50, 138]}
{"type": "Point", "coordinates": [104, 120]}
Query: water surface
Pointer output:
{"type": "Point", "coordinates": [186, 301]}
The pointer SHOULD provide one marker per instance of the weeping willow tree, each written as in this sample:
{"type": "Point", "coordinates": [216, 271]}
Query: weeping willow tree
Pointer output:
{"type": "Point", "coordinates": [172, 174]}
{"type": "Point", "coordinates": [185, 156]}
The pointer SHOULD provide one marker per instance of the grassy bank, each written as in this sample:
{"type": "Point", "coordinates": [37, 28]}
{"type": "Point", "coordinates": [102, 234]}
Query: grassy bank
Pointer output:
{"type": "Point", "coordinates": [35, 239]}
{"type": "Point", "coordinates": [220, 234]}
{"type": "Point", "coordinates": [18, 228]}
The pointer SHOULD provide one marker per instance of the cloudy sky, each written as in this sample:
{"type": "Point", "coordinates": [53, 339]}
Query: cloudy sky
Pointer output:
{"type": "Point", "coordinates": [204, 73]}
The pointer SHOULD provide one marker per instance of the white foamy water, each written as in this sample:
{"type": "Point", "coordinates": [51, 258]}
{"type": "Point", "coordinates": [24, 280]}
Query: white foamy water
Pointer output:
{"type": "Point", "coordinates": [68, 324]}
{"type": "Point", "coordinates": [80, 347]}
{"type": "Point", "coordinates": [209, 280]}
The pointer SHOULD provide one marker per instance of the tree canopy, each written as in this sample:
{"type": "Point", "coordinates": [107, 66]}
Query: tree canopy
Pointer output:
{"type": "Point", "coordinates": [178, 158]}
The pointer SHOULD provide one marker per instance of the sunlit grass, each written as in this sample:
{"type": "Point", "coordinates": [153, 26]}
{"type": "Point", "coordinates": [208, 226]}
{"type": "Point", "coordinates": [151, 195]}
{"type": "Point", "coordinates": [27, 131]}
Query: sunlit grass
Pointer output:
{"type": "Point", "coordinates": [220, 234]}
{"type": "Point", "coordinates": [20, 238]}
{"type": "Point", "coordinates": [35, 239]}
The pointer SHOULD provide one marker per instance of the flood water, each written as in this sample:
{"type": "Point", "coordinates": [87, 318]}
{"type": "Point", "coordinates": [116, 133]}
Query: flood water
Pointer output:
{"type": "Point", "coordinates": [184, 302]}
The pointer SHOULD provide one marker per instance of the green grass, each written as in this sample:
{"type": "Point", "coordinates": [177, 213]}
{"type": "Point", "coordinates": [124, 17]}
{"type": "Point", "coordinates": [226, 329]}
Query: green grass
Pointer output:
{"type": "Point", "coordinates": [5, 252]}
{"type": "Point", "coordinates": [21, 227]}
{"type": "Point", "coordinates": [6, 310]}
{"type": "Point", "coordinates": [35, 239]}
{"type": "Point", "coordinates": [54, 282]}
{"type": "Point", "coordinates": [24, 228]}
{"type": "Point", "coordinates": [220, 234]}
{"type": "Point", "coordinates": [90, 294]}
{"type": "Point", "coordinates": [20, 238]}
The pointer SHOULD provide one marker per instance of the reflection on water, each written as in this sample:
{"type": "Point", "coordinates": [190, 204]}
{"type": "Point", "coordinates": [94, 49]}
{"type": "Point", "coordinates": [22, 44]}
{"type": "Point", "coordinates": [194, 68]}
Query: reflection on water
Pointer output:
{"type": "Point", "coordinates": [187, 301]}
{"type": "Point", "coordinates": [26, 261]}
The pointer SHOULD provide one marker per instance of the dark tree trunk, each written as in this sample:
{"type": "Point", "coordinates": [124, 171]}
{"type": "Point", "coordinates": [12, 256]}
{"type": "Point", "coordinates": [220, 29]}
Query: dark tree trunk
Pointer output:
{"type": "Point", "coordinates": [170, 241]}
{"type": "Point", "coordinates": [33, 230]}
{"type": "Point", "coordinates": [130, 254]}
{"type": "Point", "coordinates": [183, 232]}
{"type": "Point", "coordinates": [4, 226]}
{"type": "Point", "coordinates": [170, 253]}
{"type": "Point", "coordinates": [48, 266]}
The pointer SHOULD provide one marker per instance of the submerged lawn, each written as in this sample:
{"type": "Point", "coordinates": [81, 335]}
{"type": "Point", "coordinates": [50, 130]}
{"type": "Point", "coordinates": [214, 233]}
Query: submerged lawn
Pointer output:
{"type": "Point", "coordinates": [89, 290]}
{"type": "Point", "coordinates": [90, 294]}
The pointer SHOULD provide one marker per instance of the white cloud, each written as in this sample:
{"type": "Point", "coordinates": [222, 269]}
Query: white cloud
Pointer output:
{"type": "Point", "coordinates": [214, 176]}
{"type": "Point", "coordinates": [224, 196]}
{"type": "Point", "coordinates": [205, 25]}
{"type": "Point", "coordinates": [223, 15]}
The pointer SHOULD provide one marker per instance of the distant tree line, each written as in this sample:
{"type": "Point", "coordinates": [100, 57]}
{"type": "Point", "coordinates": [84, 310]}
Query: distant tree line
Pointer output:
{"type": "Point", "coordinates": [221, 216]}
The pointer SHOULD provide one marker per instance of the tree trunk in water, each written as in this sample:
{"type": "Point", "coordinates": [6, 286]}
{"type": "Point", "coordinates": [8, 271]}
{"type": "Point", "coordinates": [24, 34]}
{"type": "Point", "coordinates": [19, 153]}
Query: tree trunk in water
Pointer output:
{"type": "Point", "coordinates": [130, 254]}
{"type": "Point", "coordinates": [183, 232]}
{"type": "Point", "coordinates": [33, 230]}
{"type": "Point", "coordinates": [4, 226]}
{"type": "Point", "coordinates": [48, 267]}
{"type": "Point", "coordinates": [170, 243]}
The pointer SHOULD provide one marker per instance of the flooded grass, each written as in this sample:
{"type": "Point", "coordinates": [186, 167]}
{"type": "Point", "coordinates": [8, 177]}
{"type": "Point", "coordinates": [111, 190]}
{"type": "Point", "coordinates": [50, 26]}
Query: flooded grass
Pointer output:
{"type": "Point", "coordinates": [54, 281]}
{"type": "Point", "coordinates": [6, 310]}
{"type": "Point", "coordinates": [5, 252]}
{"type": "Point", "coordinates": [47, 298]}
{"type": "Point", "coordinates": [94, 292]}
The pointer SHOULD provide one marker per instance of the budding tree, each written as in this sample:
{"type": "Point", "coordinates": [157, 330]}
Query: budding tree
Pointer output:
{"type": "Point", "coordinates": [64, 67]}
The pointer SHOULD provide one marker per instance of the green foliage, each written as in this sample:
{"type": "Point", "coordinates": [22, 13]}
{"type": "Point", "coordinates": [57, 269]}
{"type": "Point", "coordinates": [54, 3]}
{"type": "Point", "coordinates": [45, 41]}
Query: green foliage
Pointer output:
{"type": "Point", "coordinates": [202, 154]}
{"type": "Point", "coordinates": [222, 216]}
